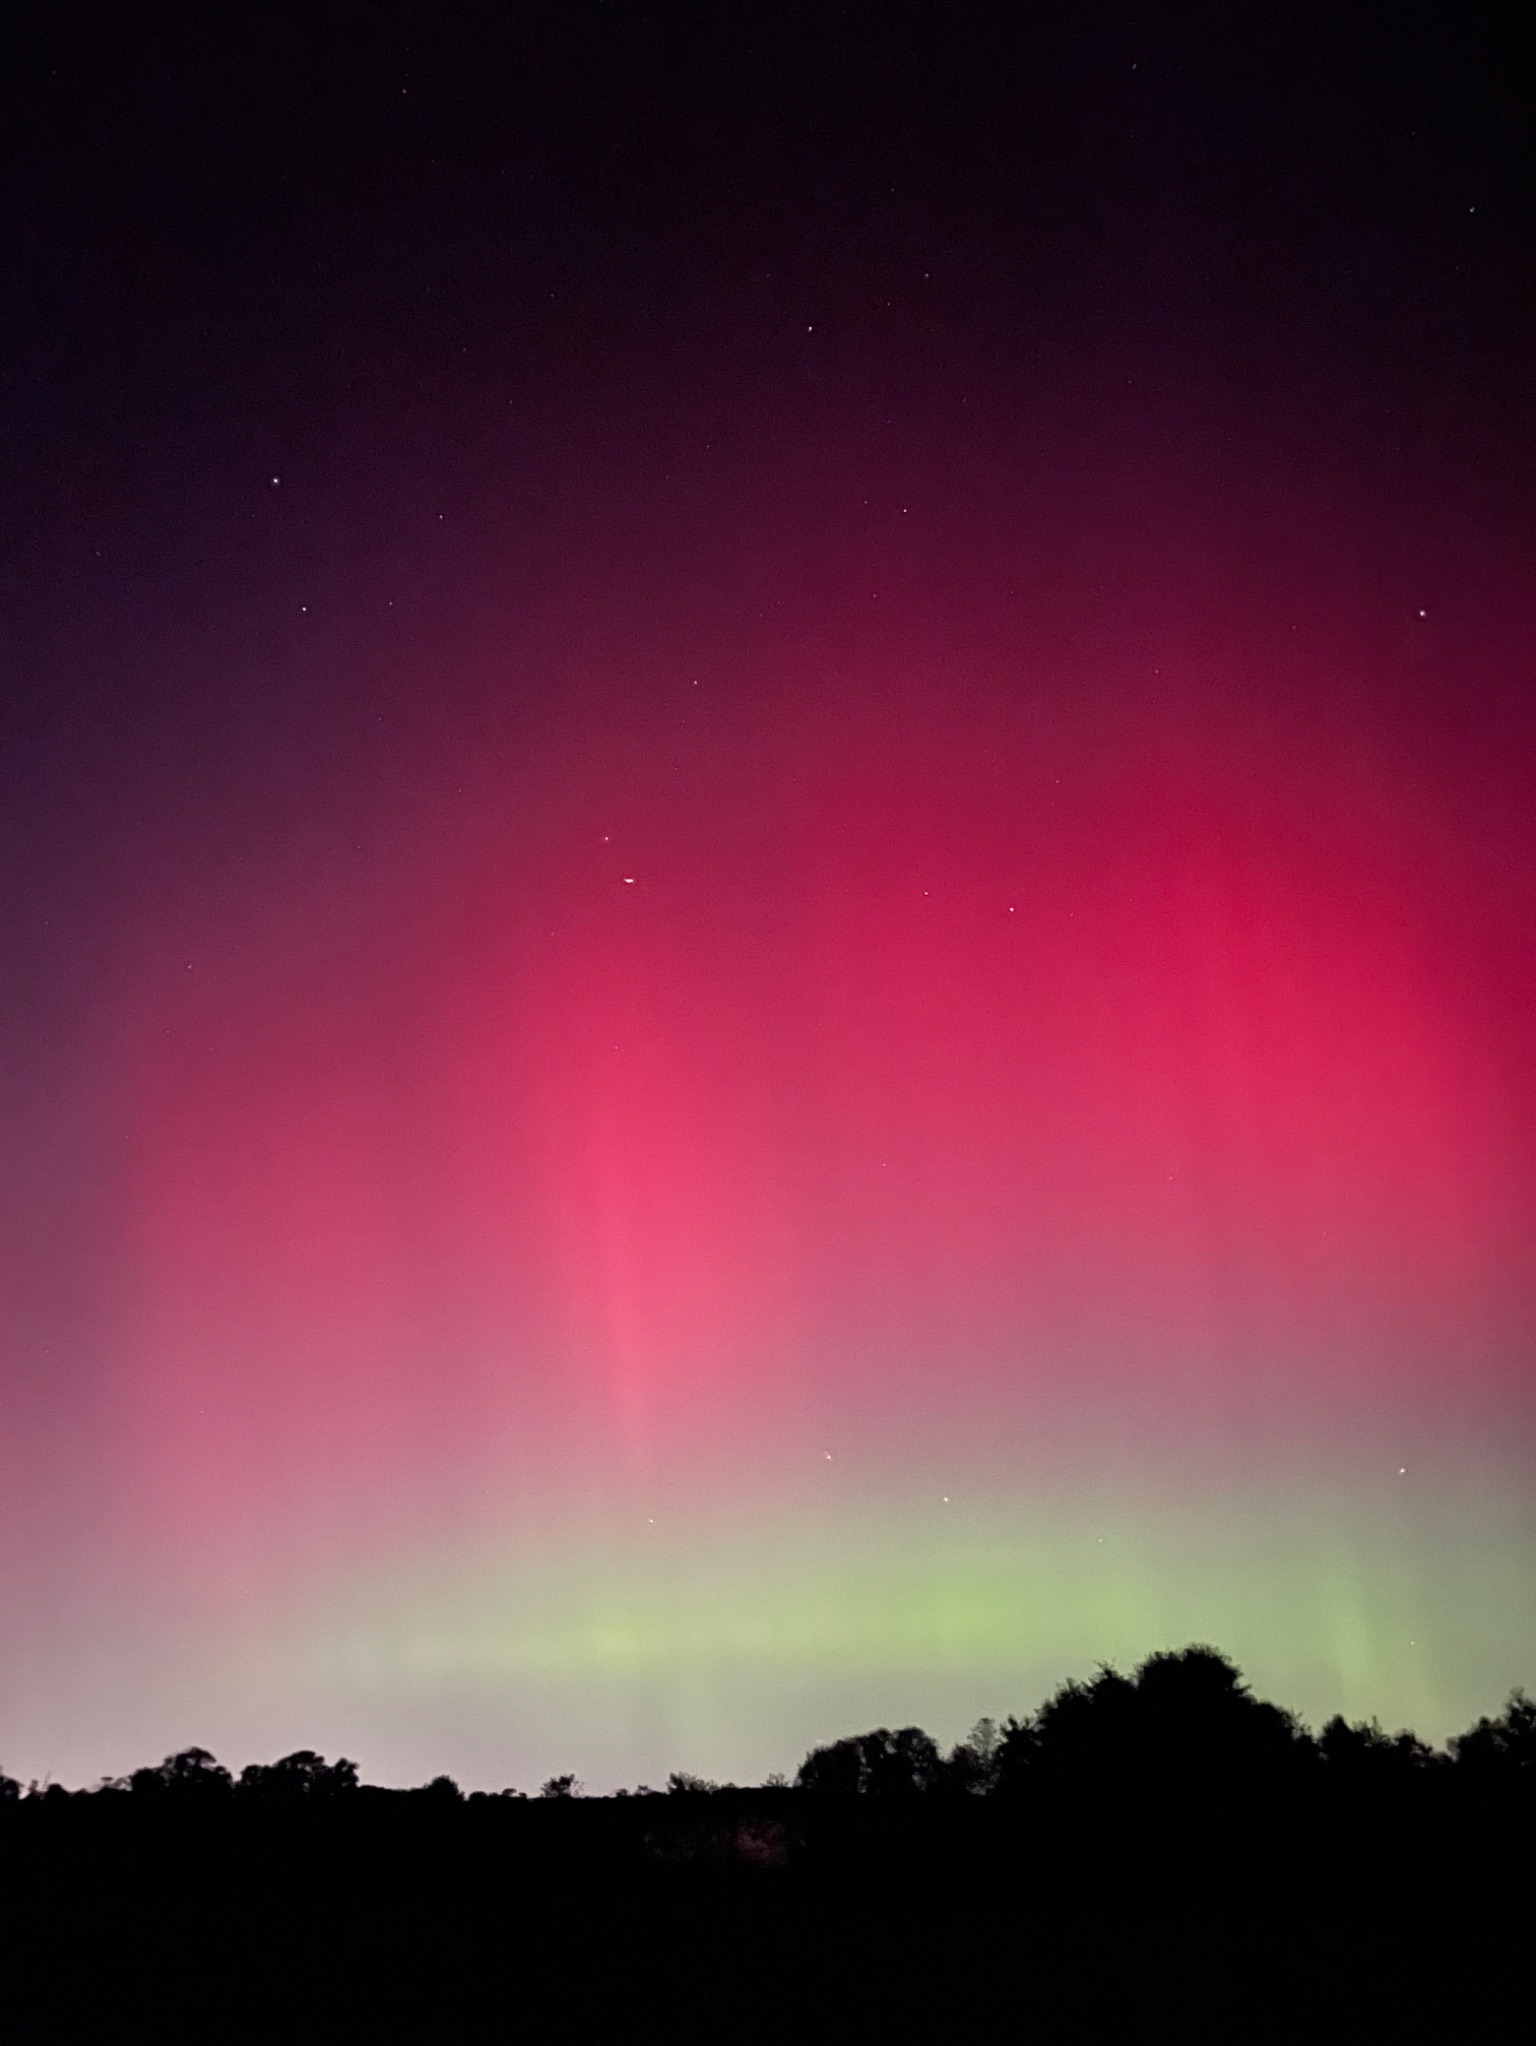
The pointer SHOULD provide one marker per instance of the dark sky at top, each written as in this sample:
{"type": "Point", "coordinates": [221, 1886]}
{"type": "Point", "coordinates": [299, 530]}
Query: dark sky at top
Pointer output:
{"type": "Point", "coordinates": [233, 236]}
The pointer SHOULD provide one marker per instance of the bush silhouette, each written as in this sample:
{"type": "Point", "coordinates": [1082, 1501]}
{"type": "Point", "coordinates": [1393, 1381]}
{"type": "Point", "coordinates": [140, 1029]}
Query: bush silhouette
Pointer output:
{"type": "Point", "coordinates": [441, 1790]}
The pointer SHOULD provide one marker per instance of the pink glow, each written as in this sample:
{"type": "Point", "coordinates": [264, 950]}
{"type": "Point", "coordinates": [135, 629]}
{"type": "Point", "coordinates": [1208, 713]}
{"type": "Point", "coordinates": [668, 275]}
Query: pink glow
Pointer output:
{"type": "Point", "coordinates": [1085, 1061]}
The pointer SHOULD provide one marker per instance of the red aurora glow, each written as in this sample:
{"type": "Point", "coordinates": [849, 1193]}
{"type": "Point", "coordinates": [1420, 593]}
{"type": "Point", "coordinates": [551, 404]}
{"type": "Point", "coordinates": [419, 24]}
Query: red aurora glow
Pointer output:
{"type": "Point", "coordinates": [1081, 1062]}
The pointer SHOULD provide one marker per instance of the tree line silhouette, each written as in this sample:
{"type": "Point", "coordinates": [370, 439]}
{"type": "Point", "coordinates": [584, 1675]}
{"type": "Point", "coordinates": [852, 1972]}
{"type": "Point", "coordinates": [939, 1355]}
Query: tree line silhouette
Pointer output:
{"type": "Point", "coordinates": [1181, 1719]}
{"type": "Point", "coordinates": [1184, 1718]}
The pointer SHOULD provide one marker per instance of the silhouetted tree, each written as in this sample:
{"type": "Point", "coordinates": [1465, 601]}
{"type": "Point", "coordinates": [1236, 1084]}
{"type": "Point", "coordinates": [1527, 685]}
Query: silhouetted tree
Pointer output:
{"type": "Point", "coordinates": [897, 1764]}
{"type": "Point", "coordinates": [835, 1770]}
{"type": "Point", "coordinates": [1363, 1753]}
{"type": "Point", "coordinates": [191, 1774]}
{"type": "Point", "coordinates": [1082, 1729]}
{"type": "Point", "coordinates": [1018, 1750]}
{"type": "Point", "coordinates": [972, 1766]}
{"type": "Point", "coordinates": [1505, 1746]}
{"type": "Point", "coordinates": [1186, 1714]}
{"type": "Point", "coordinates": [877, 1764]}
{"type": "Point", "coordinates": [560, 1786]}
{"type": "Point", "coordinates": [303, 1774]}
{"type": "Point", "coordinates": [1197, 1716]}
{"type": "Point", "coordinates": [10, 1789]}
{"type": "Point", "coordinates": [681, 1784]}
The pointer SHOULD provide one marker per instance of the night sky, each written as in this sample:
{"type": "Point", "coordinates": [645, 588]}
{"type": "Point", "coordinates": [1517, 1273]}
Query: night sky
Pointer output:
{"type": "Point", "coordinates": [767, 872]}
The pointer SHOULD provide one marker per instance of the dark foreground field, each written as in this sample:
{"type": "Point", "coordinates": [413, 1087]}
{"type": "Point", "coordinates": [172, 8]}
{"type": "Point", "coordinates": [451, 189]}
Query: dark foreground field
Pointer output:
{"type": "Point", "coordinates": [1310, 1912]}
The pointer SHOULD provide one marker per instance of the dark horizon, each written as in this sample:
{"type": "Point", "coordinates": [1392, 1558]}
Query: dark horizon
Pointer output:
{"type": "Point", "coordinates": [1163, 1851]}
